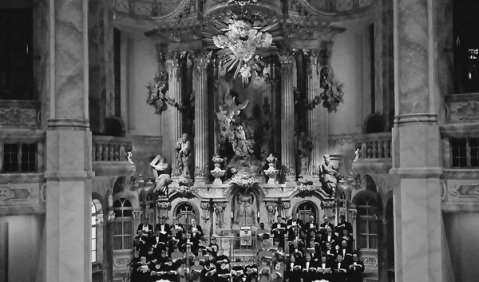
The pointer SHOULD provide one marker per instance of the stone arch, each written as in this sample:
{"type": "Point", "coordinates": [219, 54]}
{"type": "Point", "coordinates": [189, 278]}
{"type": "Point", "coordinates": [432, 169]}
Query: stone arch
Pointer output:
{"type": "Point", "coordinates": [374, 123]}
{"type": "Point", "coordinates": [317, 208]}
{"type": "Point", "coordinates": [193, 206]}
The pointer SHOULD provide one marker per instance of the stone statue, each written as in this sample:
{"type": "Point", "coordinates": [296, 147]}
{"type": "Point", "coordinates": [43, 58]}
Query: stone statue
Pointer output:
{"type": "Point", "coordinates": [304, 147]}
{"type": "Point", "coordinates": [241, 145]}
{"type": "Point", "coordinates": [328, 176]}
{"type": "Point", "coordinates": [161, 171]}
{"type": "Point", "coordinates": [183, 151]}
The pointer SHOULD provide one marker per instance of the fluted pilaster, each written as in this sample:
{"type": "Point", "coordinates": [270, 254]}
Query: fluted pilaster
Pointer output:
{"type": "Point", "coordinates": [287, 116]}
{"type": "Point", "coordinates": [173, 116]}
{"type": "Point", "coordinates": [313, 89]}
{"type": "Point", "coordinates": [200, 90]}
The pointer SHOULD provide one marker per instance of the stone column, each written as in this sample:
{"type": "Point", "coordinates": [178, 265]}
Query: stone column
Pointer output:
{"type": "Point", "coordinates": [416, 145]}
{"type": "Point", "coordinates": [68, 144]}
{"type": "Point", "coordinates": [313, 89]}
{"type": "Point", "coordinates": [287, 117]}
{"type": "Point", "coordinates": [200, 90]}
{"type": "Point", "coordinates": [172, 121]}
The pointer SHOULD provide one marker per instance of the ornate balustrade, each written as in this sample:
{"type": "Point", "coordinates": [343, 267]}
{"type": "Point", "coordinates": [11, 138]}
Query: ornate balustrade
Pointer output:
{"type": "Point", "coordinates": [21, 151]}
{"type": "Point", "coordinates": [110, 155]}
{"type": "Point", "coordinates": [110, 148]}
{"type": "Point", "coordinates": [374, 153]}
{"type": "Point", "coordinates": [375, 145]}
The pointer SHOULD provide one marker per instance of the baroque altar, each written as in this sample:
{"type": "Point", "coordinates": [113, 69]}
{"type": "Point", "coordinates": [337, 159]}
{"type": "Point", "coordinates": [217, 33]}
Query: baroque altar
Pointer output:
{"type": "Point", "coordinates": [245, 88]}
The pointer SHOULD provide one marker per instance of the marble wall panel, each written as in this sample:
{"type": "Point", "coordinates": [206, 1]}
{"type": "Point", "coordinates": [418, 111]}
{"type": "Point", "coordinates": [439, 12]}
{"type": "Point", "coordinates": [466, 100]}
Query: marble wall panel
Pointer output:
{"type": "Point", "coordinates": [412, 62]}
{"type": "Point", "coordinates": [25, 194]}
{"type": "Point", "coordinates": [344, 5]}
{"type": "Point", "coordinates": [122, 6]}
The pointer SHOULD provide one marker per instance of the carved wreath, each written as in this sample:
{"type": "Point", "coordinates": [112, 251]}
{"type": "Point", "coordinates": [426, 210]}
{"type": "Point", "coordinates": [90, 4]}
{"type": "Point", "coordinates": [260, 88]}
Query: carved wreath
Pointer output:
{"type": "Point", "coordinates": [157, 97]}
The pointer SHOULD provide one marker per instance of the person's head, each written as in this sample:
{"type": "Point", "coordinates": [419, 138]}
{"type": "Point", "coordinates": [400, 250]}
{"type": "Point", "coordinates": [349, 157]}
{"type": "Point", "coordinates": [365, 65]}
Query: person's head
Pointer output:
{"type": "Point", "coordinates": [221, 252]}
{"type": "Point", "coordinates": [163, 253]}
{"type": "Point", "coordinates": [342, 219]}
{"type": "Point", "coordinates": [326, 219]}
{"type": "Point", "coordinates": [339, 257]}
{"type": "Point", "coordinates": [292, 259]}
{"type": "Point", "coordinates": [329, 230]}
{"type": "Point", "coordinates": [136, 254]}
{"type": "Point", "coordinates": [197, 261]}
{"type": "Point", "coordinates": [261, 225]}
{"type": "Point", "coordinates": [328, 245]}
{"type": "Point", "coordinates": [344, 244]}
{"type": "Point", "coordinates": [184, 137]}
{"type": "Point", "coordinates": [193, 221]}
{"type": "Point", "coordinates": [355, 257]}
{"type": "Point", "coordinates": [143, 259]}
{"type": "Point", "coordinates": [213, 240]}
{"type": "Point", "coordinates": [311, 218]}
{"type": "Point", "coordinates": [345, 232]}
{"type": "Point", "coordinates": [312, 242]}
{"type": "Point", "coordinates": [162, 220]}
{"type": "Point", "coordinates": [280, 219]}
{"type": "Point", "coordinates": [323, 258]}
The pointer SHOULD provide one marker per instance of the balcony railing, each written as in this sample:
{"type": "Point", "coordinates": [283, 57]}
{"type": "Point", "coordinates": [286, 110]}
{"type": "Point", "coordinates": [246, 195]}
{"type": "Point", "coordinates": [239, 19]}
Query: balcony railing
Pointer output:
{"type": "Point", "coordinates": [110, 155]}
{"type": "Point", "coordinates": [110, 149]}
{"type": "Point", "coordinates": [375, 145]}
{"type": "Point", "coordinates": [22, 151]}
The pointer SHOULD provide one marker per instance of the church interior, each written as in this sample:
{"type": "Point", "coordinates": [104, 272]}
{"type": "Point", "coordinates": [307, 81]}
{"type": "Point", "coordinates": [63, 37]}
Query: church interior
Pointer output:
{"type": "Point", "coordinates": [247, 125]}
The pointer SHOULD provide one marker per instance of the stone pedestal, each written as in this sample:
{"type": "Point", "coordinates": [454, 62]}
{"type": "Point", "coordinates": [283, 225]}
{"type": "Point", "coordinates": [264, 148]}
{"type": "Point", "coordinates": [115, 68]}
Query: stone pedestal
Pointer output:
{"type": "Point", "coordinates": [416, 146]}
{"type": "Point", "coordinates": [200, 90]}
{"type": "Point", "coordinates": [68, 146]}
{"type": "Point", "coordinates": [287, 118]}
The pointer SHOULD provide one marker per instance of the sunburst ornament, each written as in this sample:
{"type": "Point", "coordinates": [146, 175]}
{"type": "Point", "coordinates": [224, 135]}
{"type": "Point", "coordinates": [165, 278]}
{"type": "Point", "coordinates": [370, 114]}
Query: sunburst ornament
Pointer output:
{"type": "Point", "coordinates": [242, 40]}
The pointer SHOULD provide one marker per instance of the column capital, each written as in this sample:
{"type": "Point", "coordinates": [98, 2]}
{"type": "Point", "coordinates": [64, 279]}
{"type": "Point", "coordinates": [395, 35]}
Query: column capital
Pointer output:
{"type": "Point", "coordinates": [286, 59]}
{"type": "Point", "coordinates": [201, 59]}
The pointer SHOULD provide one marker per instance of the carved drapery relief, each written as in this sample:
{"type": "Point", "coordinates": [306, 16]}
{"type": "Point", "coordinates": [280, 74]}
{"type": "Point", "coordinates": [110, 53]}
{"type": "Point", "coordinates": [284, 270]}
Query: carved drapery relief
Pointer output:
{"type": "Point", "coordinates": [205, 209]}
{"type": "Point", "coordinates": [271, 208]}
{"type": "Point", "coordinates": [219, 209]}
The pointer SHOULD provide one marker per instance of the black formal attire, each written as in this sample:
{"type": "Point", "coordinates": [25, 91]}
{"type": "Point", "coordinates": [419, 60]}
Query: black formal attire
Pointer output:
{"type": "Point", "coordinates": [278, 230]}
{"type": "Point", "coordinates": [323, 271]}
{"type": "Point", "coordinates": [344, 226]}
{"type": "Point", "coordinates": [195, 237]}
{"type": "Point", "coordinates": [223, 268]}
{"type": "Point", "coordinates": [146, 228]}
{"type": "Point", "coordinates": [339, 271]}
{"type": "Point", "coordinates": [355, 272]}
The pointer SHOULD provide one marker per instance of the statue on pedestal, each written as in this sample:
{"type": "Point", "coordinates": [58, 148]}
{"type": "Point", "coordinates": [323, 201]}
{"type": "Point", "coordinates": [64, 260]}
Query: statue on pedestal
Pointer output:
{"type": "Point", "coordinates": [161, 171]}
{"type": "Point", "coordinates": [329, 176]}
{"type": "Point", "coordinates": [183, 151]}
